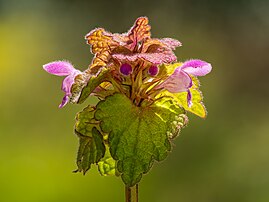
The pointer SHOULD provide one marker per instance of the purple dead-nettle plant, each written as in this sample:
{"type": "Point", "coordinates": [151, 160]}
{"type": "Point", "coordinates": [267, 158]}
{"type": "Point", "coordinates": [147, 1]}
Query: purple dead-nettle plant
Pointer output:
{"type": "Point", "coordinates": [144, 95]}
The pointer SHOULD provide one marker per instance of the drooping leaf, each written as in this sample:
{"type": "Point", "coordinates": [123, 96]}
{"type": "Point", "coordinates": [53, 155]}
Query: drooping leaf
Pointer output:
{"type": "Point", "coordinates": [138, 135]}
{"type": "Point", "coordinates": [91, 146]}
{"type": "Point", "coordinates": [93, 82]}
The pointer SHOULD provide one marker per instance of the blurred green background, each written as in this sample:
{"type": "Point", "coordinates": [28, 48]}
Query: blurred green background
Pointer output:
{"type": "Point", "coordinates": [222, 158]}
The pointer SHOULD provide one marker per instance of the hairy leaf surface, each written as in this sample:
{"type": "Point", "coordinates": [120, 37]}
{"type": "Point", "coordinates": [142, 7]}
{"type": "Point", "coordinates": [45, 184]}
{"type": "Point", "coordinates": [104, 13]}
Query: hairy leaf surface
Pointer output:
{"type": "Point", "coordinates": [91, 146]}
{"type": "Point", "coordinates": [138, 135]}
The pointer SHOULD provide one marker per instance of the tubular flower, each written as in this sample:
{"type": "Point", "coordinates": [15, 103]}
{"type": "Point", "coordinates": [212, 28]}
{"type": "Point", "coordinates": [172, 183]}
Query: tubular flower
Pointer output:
{"type": "Point", "coordinates": [181, 80]}
{"type": "Point", "coordinates": [63, 68]}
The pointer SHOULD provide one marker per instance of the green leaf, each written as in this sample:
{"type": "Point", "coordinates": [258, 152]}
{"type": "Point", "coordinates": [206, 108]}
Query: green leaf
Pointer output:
{"type": "Point", "coordinates": [85, 121]}
{"type": "Point", "coordinates": [138, 135]}
{"type": "Point", "coordinates": [91, 145]}
{"type": "Point", "coordinates": [93, 82]}
{"type": "Point", "coordinates": [107, 165]}
{"type": "Point", "coordinates": [175, 120]}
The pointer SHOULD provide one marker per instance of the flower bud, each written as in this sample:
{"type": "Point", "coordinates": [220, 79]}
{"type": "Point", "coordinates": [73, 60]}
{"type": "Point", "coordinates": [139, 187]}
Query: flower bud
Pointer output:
{"type": "Point", "coordinates": [126, 69]}
{"type": "Point", "coordinates": [153, 70]}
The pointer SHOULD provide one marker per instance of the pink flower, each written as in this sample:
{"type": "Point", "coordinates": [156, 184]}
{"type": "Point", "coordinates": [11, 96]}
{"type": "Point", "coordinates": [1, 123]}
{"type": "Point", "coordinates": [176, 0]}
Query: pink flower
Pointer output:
{"type": "Point", "coordinates": [63, 68]}
{"type": "Point", "coordinates": [181, 81]}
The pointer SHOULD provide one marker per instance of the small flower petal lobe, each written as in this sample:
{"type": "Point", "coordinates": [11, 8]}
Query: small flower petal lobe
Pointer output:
{"type": "Point", "coordinates": [189, 97]}
{"type": "Point", "coordinates": [64, 101]}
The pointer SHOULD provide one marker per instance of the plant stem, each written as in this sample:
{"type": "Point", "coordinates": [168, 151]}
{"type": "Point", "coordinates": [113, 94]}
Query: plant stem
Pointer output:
{"type": "Point", "coordinates": [131, 194]}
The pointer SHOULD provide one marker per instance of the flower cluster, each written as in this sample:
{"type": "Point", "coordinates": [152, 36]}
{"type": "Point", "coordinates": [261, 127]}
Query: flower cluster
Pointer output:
{"type": "Point", "coordinates": [135, 64]}
{"type": "Point", "coordinates": [143, 93]}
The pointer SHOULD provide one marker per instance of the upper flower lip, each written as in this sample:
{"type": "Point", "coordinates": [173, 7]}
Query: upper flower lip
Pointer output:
{"type": "Point", "coordinates": [196, 67]}
{"type": "Point", "coordinates": [59, 68]}
{"type": "Point", "coordinates": [63, 68]}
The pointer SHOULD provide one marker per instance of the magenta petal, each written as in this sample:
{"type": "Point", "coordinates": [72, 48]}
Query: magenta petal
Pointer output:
{"type": "Point", "coordinates": [66, 87]}
{"type": "Point", "coordinates": [196, 67]}
{"type": "Point", "coordinates": [68, 82]}
{"type": "Point", "coordinates": [189, 97]}
{"type": "Point", "coordinates": [179, 81]}
{"type": "Point", "coordinates": [59, 68]}
{"type": "Point", "coordinates": [64, 101]}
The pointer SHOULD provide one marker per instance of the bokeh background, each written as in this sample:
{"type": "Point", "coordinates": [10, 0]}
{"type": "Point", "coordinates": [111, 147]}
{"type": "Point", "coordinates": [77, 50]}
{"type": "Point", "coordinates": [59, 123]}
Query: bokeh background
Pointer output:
{"type": "Point", "coordinates": [222, 158]}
